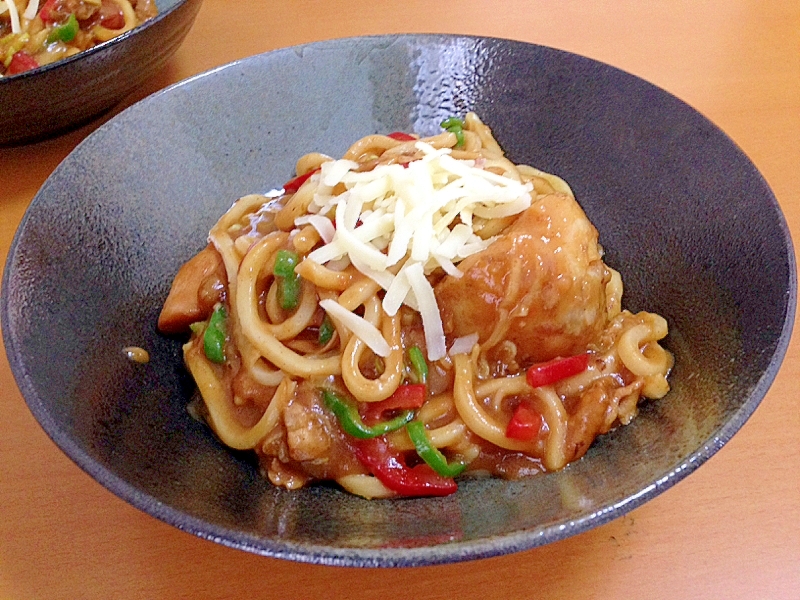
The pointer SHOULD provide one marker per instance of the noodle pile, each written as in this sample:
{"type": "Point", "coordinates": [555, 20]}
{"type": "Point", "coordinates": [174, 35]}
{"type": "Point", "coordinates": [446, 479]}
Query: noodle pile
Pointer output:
{"type": "Point", "coordinates": [418, 309]}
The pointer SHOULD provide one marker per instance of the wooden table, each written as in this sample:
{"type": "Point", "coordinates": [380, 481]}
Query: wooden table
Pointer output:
{"type": "Point", "coordinates": [731, 530]}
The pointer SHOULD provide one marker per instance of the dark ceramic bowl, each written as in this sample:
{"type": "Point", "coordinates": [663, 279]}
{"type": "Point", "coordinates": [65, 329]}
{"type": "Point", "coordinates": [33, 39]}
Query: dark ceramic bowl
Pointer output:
{"type": "Point", "coordinates": [54, 98]}
{"type": "Point", "coordinates": [682, 213]}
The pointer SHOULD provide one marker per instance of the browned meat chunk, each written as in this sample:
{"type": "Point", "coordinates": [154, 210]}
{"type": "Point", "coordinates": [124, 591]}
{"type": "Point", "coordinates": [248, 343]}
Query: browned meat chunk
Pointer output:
{"type": "Point", "coordinates": [196, 288]}
{"type": "Point", "coordinates": [305, 433]}
{"type": "Point", "coordinates": [541, 285]}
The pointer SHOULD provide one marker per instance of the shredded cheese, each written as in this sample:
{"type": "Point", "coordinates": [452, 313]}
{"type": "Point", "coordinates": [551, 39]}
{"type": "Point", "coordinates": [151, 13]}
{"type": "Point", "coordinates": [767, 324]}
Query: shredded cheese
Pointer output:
{"type": "Point", "coordinates": [323, 226]}
{"type": "Point", "coordinates": [397, 224]}
{"type": "Point", "coordinates": [361, 328]}
{"type": "Point", "coordinates": [14, 16]}
{"type": "Point", "coordinates": [429, 310]}
{"type": "Point", "coordinates": [31, 9]}
{"type": "Point", "coordinates": [463, 345]}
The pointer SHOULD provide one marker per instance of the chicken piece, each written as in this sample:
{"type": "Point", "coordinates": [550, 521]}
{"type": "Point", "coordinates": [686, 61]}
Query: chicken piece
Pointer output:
{"type": "Point", "coordinates": [541, 285]}
{"type": "Point", "coordinates": [198, 285]}
{"type": "Point", "coordinates": [305, 433]}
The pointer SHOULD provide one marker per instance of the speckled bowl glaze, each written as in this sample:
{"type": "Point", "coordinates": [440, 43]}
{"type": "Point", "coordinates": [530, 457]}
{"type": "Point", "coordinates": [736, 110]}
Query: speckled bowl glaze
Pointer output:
{"type": "Point", "coordinates": [682, 213]}
{"type": "Point", "coordinates": [54, 98]}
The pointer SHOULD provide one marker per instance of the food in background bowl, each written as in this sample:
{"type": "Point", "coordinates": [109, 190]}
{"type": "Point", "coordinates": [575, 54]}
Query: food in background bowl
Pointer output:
{"type": "Point", "coordinates": [44, 32]}
{"type": "Point", "coordinates": [42, 102]}
{"type": "Point", "coordinates": [418, 309]}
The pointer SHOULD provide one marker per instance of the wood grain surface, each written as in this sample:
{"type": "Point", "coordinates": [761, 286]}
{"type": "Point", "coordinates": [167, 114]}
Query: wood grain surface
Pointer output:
{"type": "Point", "coordinates": [731, 530]}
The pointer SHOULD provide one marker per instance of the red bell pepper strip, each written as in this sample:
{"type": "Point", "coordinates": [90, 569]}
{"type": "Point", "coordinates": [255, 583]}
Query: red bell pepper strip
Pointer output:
{"type": "Point", "coordinates": [291, 186]}
{"type": "Point", "coordinates": [401, 137]}
{"type": "Point", "coordinates": [525, 424]}
{"type": "Point", "coordinates": [21, 62]}
{"type": "Point", "coordinates": [393, 472]}
{"type": "Point", "coordinates": [46, 12]}
{"type": "Point", "coordinates": [555, 370]}
{"type": "Point", "coordinates": [405, 397]}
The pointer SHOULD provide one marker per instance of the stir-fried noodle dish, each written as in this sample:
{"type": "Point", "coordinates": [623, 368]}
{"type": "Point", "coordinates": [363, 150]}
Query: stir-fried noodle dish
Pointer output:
{"type": "Point", "coordinates": [416, 311]}
{"type": "Point", "coordinates": [34, 33]}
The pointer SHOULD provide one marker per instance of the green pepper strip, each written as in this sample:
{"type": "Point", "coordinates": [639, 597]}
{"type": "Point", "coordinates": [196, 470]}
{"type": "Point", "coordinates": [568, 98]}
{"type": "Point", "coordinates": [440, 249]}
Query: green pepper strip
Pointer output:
{"type": "Point", "coordinates": [418, 364]}
{"type": "Point", "coordinates": [459, 137]}
{"type": "Point", "coordinates": [351, 421]}
{"type": "Point", "coordinates": [65, 32]}
{"type": "Point", "coordinates": [456, 126]}
{"type": "Point", "coordinates": [431, 455]}
{"type": "Point", "coordinates": [289, 292]}
{"type": "Point", "coordinates": [452, 122]}
{"type": "Point", "coordinates": [214, 337]}
{"type": "Point", "coordinates": [289, 282]}
{"type": "Point", "coordinates": [285, 263]}
{"type": "Point", "coordinates": [326, 330]}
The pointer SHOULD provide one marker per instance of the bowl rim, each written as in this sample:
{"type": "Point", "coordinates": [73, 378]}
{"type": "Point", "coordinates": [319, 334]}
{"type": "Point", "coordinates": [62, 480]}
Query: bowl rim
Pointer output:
{"type": "Point", "coordinates": [443, 553]}
{"type": "Point", "coordinates": [94, 49]}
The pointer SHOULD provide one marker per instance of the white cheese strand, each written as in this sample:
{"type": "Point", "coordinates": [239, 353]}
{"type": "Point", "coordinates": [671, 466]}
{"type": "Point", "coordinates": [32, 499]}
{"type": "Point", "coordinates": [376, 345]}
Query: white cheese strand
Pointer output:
{"type": "Point", "coordinates": [323, 226]}
{"type": "Point", "coordinates": [429, 310]}
{"type": "Point", "coordinates": [447, 266]}
{"type": "Point", "coordinates": [361, 328]}
{"type": "Point", "coordinates": [14, 15]}
{"type": "Point", "coordinates": [333, 171]}
{"type": "Point", "coordinates": [464, 345]}
{"type": "Point", "coordinates": [31, 10]}
{"type": "Point", "coordinates": [396, 293]}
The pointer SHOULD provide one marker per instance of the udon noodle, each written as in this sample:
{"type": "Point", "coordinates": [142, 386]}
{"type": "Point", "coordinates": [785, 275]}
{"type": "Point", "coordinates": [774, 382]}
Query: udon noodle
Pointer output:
{"type": "Point", "coordinates": [413, 311]}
